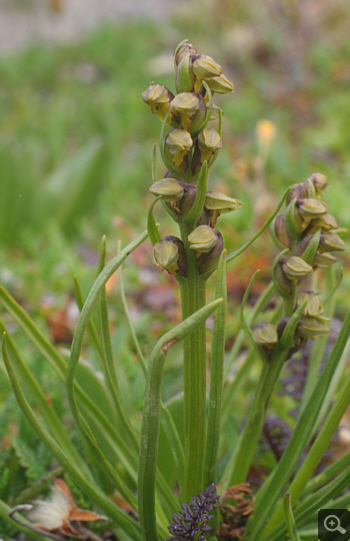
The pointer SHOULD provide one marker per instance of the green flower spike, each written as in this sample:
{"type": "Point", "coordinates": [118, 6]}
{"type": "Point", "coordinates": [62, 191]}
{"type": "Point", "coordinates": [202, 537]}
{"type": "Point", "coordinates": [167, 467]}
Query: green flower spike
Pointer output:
{"type": "Point", "coordinates": [158, 98]}
{"type": "Point", "coordinates": [314, 304]}
{"type": "Point", "coordinates": [178, 143]}
{"type": "Point", "coordinates": [168, 188]}
{"type": "Point", "coordinates": [296, 268]}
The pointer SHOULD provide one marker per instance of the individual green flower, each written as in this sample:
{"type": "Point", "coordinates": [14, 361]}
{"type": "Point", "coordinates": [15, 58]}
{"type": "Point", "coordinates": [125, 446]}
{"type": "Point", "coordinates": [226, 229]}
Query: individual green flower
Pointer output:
{"type": "Point", "coordinates": [266, 337]}
{"type": "Point", "coordinates": [218, 203]}
{"type": "Point", "coordinates": [192, 109]}
{"type": "Point", "coordinates": [158, 98]}
{"type": "Point", "coordinates": [179, 143]}
{"type": "Point", "coordinates": [314, 304]}
{"type": "Point", "coordinates": [169, 254]}
{"type": "Point", "coordinates": [204, 67]}
{"type": "Point", "coordinates": [169, 189]}
{"type": "Point", "coordinates": [313, 327]}
{"type": "Point", "coordinates": [325, 222]}
{"type": "Point", "coordinates": [295, 268]}
{"type": "Point", "coordinates": [311, 208]}
{"type": "Point", "coordinates": [324, 260]}
{"type": "Point", "coordinates": [330, 242]}
{"type": "Point", "coordinates": [220, 84]}
{"type": "Point", "coordinates": [202, 239]}
{"type": "Point", "coordinates": [208, 142]}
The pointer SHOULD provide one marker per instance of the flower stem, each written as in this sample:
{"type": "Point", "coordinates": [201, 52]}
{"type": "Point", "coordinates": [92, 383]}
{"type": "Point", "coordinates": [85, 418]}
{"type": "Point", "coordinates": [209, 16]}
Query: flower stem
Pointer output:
{"type": "Point", "coordinates": [193, 298]}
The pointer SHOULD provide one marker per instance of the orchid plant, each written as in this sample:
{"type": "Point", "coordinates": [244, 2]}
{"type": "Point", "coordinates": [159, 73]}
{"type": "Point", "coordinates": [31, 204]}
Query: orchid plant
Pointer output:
{"type": "Point", "coordinates": [307, 237]}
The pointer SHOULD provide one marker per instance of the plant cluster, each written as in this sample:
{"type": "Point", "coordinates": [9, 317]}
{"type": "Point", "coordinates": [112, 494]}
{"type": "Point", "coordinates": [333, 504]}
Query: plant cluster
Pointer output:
{"type": "Point", "coordinates": [126, 459]}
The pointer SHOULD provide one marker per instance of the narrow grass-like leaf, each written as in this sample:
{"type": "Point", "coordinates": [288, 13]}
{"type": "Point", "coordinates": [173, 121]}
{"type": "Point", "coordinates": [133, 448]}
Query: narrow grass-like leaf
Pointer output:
{"type": "Point", "coordinates": [238, 466]}
{"type": "Point", "coordinates": [326, 475]}
{"type": "Point", "coordinates": [272, 489]}
{"type": "Point", "coordinates": [167, 162]}
{"type": "Point", "coordinates": [319, 446]}
{"type": "Point", "coordinates": [309, 253]}
{"type": "Point", "coordinates": [90, 488]}
{"type": "Point", "coordinates": [195, 212]}
{"type": "Point", "coordinates": [311, 505]}
{"type": "Point", "coordinates": [216, 380]}
{"type": "Point", "coordinates": [238, 252]}
{"type": "Point", "coordinates": [91, 328]}
{"type": "Point", "coordinates": [166, 417]}
{"type": "Point", "coordinates": [209, 110]}
{"type": "Point", "coordinates": [105, 428]}
{"type": "Point", "coordinates": [152, 228]}
{"type": "Point", "coordinates": [247, 330]}
{"type": "Point", "coordinates": [154, 163]}
{"type": "Point", "coordinates": [288, 515]}
{"type": "Point", "coordinates": [264, 298]}
{"type": "Point", "coordinates": [47, 410]}
{"type": "Point", "coordinates": [110, 369]}
{"type": "Point", "coordinates": [151, 419]}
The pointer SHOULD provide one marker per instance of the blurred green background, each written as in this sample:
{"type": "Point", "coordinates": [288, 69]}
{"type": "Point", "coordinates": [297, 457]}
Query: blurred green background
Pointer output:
{"type": "Point", "coordinates": [76, 139]}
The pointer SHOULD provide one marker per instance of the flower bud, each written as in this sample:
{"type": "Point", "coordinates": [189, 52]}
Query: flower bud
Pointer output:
{"type": "Point", "coordinates": [214, 115]}
{"type": "Point", "coordinates": [330, 242]}
{"type": "Point", "coordinates": [220, 84]}
{"type": "Point", "coordinates": [178, 143]}
{"type": "Point", "coordinates": [192, 109]}
{"type": "Point", "coordinates": [313, 327]}
{"type": "Point", "coordinates": [320, 182]}
{"type": "Point", "coordinates": [280, 231]}
{"type": "Point", "coordinates": [182, 49]}
{"type": "Point", "coordinates": [298, 191]}
{"type": "Point", "coordinates": [169, 254]}
{"type": "Point", "coordinates": [168, 188]}
{"type": "Point", "coordinates": [158, 98]}
{"type": "Point", "coordinates": [311, 208]}
{"type": "Point", "coordinates": [314, 304]}
{"type": "Point", "coordinates": [265, 336]}
{"type": "Point", "coordinates": [295, 268]}
{"type": "Point", "coordinates": [202, 239]}
{"type": "Point", "coordinates": [204, 67]}
{"type": "Point", "coordinates": [324, 260]}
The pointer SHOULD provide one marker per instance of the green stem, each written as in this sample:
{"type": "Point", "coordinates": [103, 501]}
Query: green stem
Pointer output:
{"type": "Point", "coordinates": [193, 296]}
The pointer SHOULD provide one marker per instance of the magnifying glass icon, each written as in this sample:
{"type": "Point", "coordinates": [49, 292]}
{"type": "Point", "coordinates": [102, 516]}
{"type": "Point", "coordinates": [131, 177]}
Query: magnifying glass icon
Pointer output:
{"type": "Point", "coordinates": [332, 524]}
